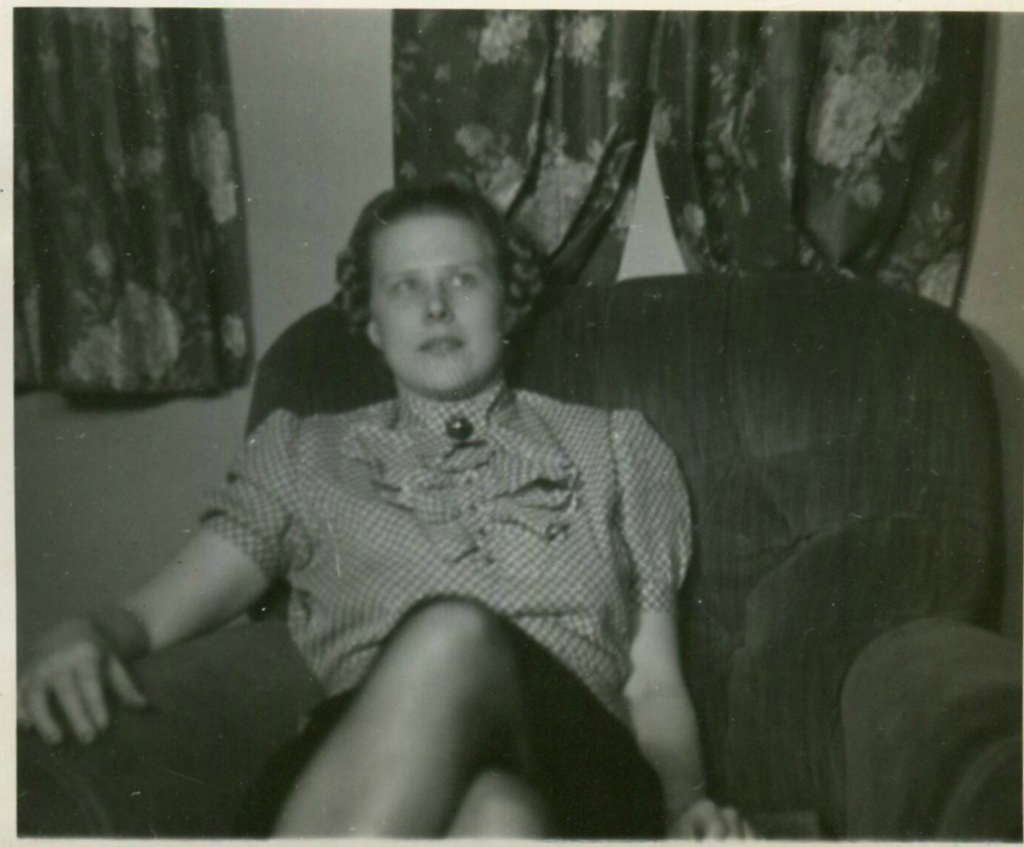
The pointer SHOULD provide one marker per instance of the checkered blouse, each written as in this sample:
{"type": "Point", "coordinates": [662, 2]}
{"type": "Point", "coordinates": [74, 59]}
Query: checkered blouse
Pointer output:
{"type": "Point", "coordinates": [565, 519]}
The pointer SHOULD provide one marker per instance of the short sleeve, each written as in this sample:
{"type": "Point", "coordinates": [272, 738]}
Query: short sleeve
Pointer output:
{"type": "Point", "coordinates": [258, 506]}
{"type": "Point", "coordinates": [654, 510]}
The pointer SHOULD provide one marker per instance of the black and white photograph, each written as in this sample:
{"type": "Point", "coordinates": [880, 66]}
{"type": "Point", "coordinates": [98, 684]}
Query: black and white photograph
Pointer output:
{"type": "Point", "coordinates": [516, 422]}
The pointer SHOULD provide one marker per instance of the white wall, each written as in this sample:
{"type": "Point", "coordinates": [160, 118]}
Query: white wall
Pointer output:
{"type": "Point", "coordinates": [651, 246]}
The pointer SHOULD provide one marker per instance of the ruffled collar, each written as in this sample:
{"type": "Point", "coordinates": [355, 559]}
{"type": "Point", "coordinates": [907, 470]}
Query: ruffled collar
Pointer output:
{"type": "Point", "coordinates": [419, 467]}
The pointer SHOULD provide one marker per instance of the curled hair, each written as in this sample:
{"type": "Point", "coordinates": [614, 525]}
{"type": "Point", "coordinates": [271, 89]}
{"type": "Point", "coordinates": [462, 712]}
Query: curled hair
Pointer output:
{"type": "Point", "coordinates": [517, 259]}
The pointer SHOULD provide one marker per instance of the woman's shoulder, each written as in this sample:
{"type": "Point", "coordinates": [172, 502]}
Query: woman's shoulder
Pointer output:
{"type": "Point", "coordinates": [336, 427]}
{"type": "Point", "coordinates": [555, 409]}
{"type": "Point", "coordinates": [624, 433]}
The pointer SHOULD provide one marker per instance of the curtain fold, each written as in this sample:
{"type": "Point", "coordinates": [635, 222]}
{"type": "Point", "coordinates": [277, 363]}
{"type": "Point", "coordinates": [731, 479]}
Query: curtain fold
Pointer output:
{"type": "Point", "coordinates": [131, 269]}
{"type": "Point", "coordinates": [546, 112]}
{"type": "Point", "coordinates": [824, 141]}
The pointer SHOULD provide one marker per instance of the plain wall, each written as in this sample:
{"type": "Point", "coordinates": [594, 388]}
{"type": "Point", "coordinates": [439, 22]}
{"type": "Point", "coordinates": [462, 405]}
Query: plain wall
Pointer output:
{"type": "Point", "coordinates": [993, 304]}
{"type": "Point", "coordinates": [104, 499]}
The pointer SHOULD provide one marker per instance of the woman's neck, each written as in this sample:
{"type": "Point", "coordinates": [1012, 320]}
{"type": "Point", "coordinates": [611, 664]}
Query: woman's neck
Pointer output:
{"type": "Point", "coordinates": [415, 408]}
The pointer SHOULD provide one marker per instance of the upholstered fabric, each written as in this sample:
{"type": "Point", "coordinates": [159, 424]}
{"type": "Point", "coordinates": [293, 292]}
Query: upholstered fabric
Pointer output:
{"type": "Point", "coordinates": [839, 442]}
{"type": "Point", "coordinates": [936, 697]}
{"type": "Point", "coordinates": [219, 706]}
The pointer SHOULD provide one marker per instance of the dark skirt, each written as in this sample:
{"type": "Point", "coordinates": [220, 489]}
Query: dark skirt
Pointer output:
{"type": "Point", "coordinates": [591, 775]}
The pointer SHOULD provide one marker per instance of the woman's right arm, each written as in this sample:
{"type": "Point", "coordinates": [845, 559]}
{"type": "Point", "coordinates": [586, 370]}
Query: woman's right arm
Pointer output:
{"type": "Point", "coordinates": [209, 583]}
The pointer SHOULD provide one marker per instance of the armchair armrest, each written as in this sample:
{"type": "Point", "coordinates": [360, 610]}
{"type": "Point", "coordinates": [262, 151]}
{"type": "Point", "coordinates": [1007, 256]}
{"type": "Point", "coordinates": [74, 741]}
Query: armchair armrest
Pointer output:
{"type": "Point", "coordinates": [932, 723]}
{"type": "Point", "coordinates": [220, 705]}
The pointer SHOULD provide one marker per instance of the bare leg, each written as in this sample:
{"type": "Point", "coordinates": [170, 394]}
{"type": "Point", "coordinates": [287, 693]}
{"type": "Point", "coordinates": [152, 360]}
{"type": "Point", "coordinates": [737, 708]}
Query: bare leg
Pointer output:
{"type": "Point", "coordinates": [499, 805]}
{"type": "Point", "coordinates": [440, 703]}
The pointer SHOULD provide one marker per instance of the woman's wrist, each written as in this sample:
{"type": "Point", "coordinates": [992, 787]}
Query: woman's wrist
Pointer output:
{"type": "Point", "coordinates": [121, 631]}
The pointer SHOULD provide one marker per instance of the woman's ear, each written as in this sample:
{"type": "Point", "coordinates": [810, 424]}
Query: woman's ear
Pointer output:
{"type": "Point", "coordinates": [373, 333]}
{"type": "Point", "coordinates": [509, 318]}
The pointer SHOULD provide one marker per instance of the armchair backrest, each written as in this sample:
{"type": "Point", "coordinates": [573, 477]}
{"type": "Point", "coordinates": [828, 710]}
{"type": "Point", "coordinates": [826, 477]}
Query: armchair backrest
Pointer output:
{"type": "Point", "coordinates": [839, 442]}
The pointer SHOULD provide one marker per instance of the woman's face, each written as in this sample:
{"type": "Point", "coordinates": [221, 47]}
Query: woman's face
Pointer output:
{"type": "Point", "coordinates": [437, 305]}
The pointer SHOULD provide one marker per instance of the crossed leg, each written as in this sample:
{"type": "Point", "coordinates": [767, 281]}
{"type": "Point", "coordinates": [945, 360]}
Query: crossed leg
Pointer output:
{"type": "Point", "coordinates": [414, 754]}
{"type": "Point", "coordinates": [499, 804]}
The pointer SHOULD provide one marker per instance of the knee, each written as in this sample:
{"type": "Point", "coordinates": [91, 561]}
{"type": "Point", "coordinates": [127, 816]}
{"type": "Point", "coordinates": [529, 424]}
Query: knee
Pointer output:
{"type": "Point", "coordinates": [453, 633]}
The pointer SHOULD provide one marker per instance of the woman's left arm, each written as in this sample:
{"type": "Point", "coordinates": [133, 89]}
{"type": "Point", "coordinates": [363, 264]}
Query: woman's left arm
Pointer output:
{"type": "Point", "coordinates": [666, 728]}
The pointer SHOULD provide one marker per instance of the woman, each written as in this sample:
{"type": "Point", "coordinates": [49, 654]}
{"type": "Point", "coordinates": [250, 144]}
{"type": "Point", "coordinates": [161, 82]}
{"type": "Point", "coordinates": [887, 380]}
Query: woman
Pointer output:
{"type": "Point", "coordinates": [483, 579]}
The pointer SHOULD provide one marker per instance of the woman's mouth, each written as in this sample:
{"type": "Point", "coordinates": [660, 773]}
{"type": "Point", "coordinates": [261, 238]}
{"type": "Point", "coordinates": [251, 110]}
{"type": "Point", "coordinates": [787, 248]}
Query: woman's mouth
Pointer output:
{"type": "Point", "coordinates": [440, 346]}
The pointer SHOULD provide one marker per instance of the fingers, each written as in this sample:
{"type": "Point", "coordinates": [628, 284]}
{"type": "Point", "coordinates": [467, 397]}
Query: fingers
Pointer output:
{"type": "Point", "coordinates": [40, 716]}
{"type": "Point", "coordinates": [123, 685]}
{"type": "Point", "coordinates": [701, 820]}
{"type": "Point", "coordinates": [69, 698]}
{"type": "Point", "coordinates": [737, 825]}
{"type": "Point", "coordinates": [683, 828]}
{"type": "Point", "coordinates": [76, 691]}
{"type": "Point", "coordinates": [714, 826]}
{"type": "Point", "coordinates": [732, 820]}
{"type": "Point", "coordinates": [706, 820]}
{"type": "Point", "coordinates": [94, 702]}
{"type": "Point", "coordinates": [66, 681]}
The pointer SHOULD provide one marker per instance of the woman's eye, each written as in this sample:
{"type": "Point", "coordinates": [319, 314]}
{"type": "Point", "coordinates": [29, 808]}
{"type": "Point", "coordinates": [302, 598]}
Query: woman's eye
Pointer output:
{"type": "Point", "coordinates": [464, 279]}
{"type": "Point", "coordinates": [404, 285]}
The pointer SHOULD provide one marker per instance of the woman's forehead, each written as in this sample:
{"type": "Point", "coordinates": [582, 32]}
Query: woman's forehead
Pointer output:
{"type": "Point", "coordinates": [428, 240]}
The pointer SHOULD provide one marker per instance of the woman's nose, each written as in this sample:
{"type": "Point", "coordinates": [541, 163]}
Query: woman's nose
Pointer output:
{"type": "Point", "coordinates": [438, 305]}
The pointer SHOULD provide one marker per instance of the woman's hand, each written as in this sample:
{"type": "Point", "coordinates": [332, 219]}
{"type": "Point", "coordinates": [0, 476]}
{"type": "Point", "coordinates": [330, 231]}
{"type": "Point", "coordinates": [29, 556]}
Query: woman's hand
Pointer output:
{"type": "Point", "coordinates": [207, 584]}
{"type": "Point", "coordinates": [706, 819]}
{"type": "Point", "coordinates": [71, 669]}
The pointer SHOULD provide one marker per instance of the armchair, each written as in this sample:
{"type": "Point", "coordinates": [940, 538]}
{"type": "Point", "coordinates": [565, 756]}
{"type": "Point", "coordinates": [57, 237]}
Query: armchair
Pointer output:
{"type": "Point", "coordinates": [839, 441]}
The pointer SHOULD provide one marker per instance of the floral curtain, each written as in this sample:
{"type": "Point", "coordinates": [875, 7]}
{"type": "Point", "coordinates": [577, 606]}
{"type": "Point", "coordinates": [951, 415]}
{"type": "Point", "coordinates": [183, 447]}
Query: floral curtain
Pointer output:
{"type": "Point", "coordinates": [547, 112]}
{"type": "Point", "coordinates": [842, 141]}
{"type": "Point", "coordinates": [130, 252]}
{"type": "Point", "coordinates": [785, 141]}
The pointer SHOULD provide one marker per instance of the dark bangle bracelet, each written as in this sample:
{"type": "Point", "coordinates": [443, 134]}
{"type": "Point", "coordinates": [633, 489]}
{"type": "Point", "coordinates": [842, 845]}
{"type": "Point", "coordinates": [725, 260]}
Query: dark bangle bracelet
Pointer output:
{"type": "Point", "coordinates": [122, 631]}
